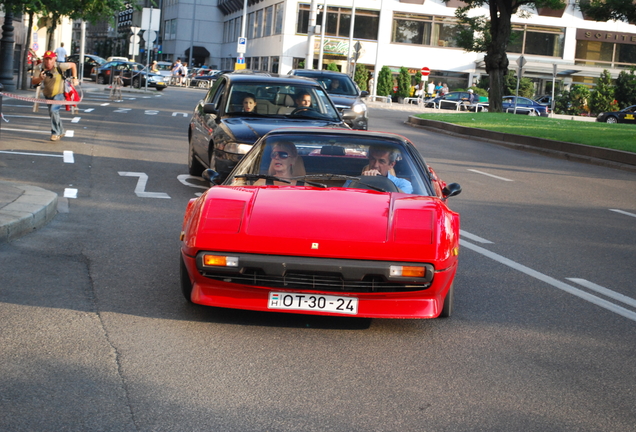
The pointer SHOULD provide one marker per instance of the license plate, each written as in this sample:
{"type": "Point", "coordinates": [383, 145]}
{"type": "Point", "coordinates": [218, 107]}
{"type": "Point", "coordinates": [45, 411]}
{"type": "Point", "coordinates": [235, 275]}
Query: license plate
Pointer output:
{"type": "Point", "coordinates": [160, 83]}
{"type": "Point", "coordinates": [313, 302]}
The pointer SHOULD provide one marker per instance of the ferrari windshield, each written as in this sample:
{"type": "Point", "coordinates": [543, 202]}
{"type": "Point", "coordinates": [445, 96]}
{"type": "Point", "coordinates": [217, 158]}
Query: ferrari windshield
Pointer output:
{"type": "Point", "coordinates": [274, 100]}
{"type": "Point", "coordinates": [331, 160]}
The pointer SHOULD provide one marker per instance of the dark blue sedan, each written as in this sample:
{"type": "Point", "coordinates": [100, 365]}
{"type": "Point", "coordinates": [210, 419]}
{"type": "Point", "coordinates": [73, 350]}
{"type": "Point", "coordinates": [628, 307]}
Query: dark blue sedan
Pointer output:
{"type": "Point", "coordinates": [524, 106]}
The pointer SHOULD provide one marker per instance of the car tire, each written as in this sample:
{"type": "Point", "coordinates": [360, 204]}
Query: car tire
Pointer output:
{"type": "Point", "coordinates": [202, 84]}
{"type": "Point", "coordinates": [195, 168]}
{"type": "Point", "coordinates": [532, 113]}
{"type": "Point", "coordinates": [100, 79]}
{"type": "Point", "coordinates": [136, 83]}
{"type": "Point", "coordinates": [186, 285]}
{"type": "Point", "coordinates": [611, 120]}
{"type": "Point", "coordinates": [160, 88]}
{"type": "Point", "coordinates": [449, 302]}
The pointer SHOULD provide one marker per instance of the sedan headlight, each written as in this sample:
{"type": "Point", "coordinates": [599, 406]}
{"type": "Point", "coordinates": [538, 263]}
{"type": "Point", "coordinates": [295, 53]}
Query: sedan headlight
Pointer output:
{"type": "Point", "coordinates": [359, 108]}
{"type": "Point", "coordinates": [238, 148]}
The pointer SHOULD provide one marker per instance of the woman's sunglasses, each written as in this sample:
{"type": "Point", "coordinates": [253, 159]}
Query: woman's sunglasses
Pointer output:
{"type": "Point", "coordinates": [280, 155]}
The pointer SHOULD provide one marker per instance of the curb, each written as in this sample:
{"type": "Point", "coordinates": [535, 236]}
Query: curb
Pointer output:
{"type": "Point", "coordinates": [32, 209]}
{"type": "Point", "coordinates": [586, 153]}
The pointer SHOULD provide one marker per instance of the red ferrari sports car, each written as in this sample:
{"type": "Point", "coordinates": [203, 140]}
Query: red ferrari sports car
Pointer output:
{"type": "Point", "coordinates": [327, 222]}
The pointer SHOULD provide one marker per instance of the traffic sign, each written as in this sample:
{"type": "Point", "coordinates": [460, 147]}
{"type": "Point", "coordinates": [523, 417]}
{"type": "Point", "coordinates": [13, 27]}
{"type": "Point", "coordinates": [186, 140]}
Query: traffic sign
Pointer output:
{"type": "Point", "coordinates": [242, 45]}
{"type": "Point", "coordinates": [425, 71]}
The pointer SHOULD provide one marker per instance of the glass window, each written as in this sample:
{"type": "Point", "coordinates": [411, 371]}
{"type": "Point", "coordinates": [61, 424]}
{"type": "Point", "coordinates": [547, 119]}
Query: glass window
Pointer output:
{"type": "Point", "coordinates": [546, 44]}
{"type": "Point", "coordinates": [411, 32]}
{"type": "Point", "coordinates": [255, 63]}
{"type": "Point", "coordinates": [303, 19]}
{"type": "Point", "coordinates": [275, 63]}
{"type": "Point", "coordinates": [593, 50]}
{"type": "Point", "coordinates": [626, 53]}
{"type": "Point", "coordinates": [278, 18]}
{"type": "Point", "coordinates": [230, 30]}
{"type": "Point", "coordinates": [237, 29]}
{"type": "Point", "coordinates": [444, 33]}
{"type": "Point", "coordinates": [515, 44]}
{"type": "Point", "coordinates": [265, 64]}
{"type": "Point", "coordinates": [258, 24]}
{"type": "Point", "coordinates": [267, 21]}
{"type": "Point", "coordinates": [250, 26]}
{"type": "Point", "coordinates": [366, 25]}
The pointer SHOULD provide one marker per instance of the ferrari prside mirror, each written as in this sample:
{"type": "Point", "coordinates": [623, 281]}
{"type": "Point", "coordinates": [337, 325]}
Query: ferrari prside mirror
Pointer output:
{"type": "Point", "coordinates": [210, 175]}
{"type": "Point", "coordinates": [450, 190]}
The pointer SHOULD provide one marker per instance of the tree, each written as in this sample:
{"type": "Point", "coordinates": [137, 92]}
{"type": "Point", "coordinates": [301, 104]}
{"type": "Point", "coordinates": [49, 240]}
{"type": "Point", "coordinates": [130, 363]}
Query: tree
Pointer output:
{"type": "Point", "coordinates": [625, 91]}
{"type": "Point", "coordinates": [361, 76]}
{"type": "Point", "coordinates": [579, 97]}
{"type": "Point", "coordinates": [385, 82]}
{"type": "Point", "coordinates": [480, 34]}
{"type": "Point", "coordinates": [333, 67]}
{"type": "Point", "coordinates": [526, 87]}
{"type": "Point", "coordinates": [602, 97]}
{"type": "Point", "coordinates": [404, 83]}
{"type": "Point", "coordinates": [609, 10]}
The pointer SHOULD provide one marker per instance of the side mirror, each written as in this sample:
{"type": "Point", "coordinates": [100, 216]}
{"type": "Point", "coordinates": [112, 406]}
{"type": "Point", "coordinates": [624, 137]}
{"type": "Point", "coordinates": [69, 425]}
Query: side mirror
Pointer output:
{"type": "Point", "coordinates": [451, 190]}
{"type": "Point", "coordinates": [211, 176]}
{"type": "Point", "coordinates": [209, 108]}
{"type": "Point", "coordinates": [364, 93]}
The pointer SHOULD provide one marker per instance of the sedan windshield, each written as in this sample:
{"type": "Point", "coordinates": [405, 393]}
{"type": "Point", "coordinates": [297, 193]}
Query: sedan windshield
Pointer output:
{"type": "Point", "coordinates": [280, 100]}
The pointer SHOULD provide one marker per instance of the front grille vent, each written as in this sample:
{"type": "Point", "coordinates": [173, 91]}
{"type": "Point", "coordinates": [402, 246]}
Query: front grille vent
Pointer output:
{"type": "Point", "coordinates": [314, 281]}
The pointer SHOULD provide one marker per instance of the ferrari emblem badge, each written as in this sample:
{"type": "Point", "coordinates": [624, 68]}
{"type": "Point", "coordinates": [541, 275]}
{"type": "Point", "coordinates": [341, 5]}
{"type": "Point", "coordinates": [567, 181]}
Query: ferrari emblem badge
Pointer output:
{"type": "Point", "coordinates": [314, 245]}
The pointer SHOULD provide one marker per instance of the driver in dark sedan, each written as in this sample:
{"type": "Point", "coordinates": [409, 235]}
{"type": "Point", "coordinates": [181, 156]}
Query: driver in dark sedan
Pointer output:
{"type": "Point", "coordinates": [381, 162]}
{"type": "Point", "coordinates": [303, 99]}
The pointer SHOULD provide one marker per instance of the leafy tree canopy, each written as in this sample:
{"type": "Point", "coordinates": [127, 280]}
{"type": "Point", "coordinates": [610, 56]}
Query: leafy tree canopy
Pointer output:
{"type": "Point", "coordinates": [491, 35]}
{"type": "Point", "coordinates": [609, 10]}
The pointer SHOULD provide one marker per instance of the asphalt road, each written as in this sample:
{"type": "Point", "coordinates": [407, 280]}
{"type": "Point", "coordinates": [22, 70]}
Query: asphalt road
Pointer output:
{"type": "Point", "coordinates": [95, 334]}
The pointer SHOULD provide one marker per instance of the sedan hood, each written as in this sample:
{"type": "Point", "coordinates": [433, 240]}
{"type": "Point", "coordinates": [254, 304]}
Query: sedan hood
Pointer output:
{"type": "Point", "coordinates": [337, 223]}
{"type": "Point", "coordinates": [249, 129]}
{"type": "Point", "coordinates": [342, 100]}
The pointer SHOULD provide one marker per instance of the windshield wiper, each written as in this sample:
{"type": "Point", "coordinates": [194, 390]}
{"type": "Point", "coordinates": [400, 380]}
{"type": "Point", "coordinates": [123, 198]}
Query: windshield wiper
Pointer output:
{"type": "Point", "coordinates": [346, 177]}
{"type": "Point", "coordinates": [253, 177]}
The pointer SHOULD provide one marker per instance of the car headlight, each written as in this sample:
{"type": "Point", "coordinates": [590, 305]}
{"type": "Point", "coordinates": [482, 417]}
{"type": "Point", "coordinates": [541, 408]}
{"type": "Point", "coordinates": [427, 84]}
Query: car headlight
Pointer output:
{"type": "Point", "coordinates": [359, 108]}
{"type": "Point", "coordinates": [238, 148]}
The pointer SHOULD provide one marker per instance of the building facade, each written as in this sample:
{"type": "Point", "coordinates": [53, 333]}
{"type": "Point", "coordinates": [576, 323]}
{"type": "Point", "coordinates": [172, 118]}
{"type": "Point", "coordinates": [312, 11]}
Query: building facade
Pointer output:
{"type": "Point", "coordinates": [395, 33]}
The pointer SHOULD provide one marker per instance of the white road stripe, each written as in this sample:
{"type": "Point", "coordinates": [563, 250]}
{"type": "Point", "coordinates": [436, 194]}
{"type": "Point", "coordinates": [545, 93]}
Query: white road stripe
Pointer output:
{"type": "Point", "coordinates": [89, 110]}
{"type": "Point", "coordinates": [68, 156]}
{"type": "Point", "coordinates": [75, 119]}
{"type": "Point", "coordinates": [70, 193]}
{"type": "Point", "coordinates": [474, 237]}
{"type": "Point", "coordinates": [623, 212]}
{"type": "Point", "coordinates": [26, 130]}
{"type": "Point", "coordinates": [490, 175]}
{"type": "Point", "coordinates": [140, 189]}
{"type": "Point", "coordinates": [69, 133]}
{"type": "Point", "coordinates": [606, 292]}
{"type": "Point", "coordinates": [554, 282]}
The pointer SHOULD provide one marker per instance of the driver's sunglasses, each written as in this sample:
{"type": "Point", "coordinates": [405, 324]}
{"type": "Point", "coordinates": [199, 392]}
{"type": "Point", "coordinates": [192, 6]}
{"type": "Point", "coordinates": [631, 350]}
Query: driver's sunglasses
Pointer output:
{"type": "Point", "coordinates": [280, 155]}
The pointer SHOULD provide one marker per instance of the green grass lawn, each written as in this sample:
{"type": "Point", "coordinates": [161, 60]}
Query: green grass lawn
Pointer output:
{"type": "Point", "coordinates": [614, 136]}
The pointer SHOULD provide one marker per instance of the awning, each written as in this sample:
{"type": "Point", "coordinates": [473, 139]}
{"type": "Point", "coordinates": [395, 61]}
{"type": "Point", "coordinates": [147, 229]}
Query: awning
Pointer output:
{"type": "Point", "coordinates": [197, 52]}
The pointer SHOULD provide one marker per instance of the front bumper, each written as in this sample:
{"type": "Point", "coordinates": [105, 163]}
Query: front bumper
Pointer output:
{"type": "Point", "coordinates": [423, 301]}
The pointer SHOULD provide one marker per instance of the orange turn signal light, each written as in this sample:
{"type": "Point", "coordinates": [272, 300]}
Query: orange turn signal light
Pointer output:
{"type": "Point", "coordinates": [408, 271]}
{"type": "Point", "coordinates": [220, 261]}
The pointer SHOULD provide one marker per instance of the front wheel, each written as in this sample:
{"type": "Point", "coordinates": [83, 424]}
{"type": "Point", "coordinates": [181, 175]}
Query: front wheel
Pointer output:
{"type": "Point", "coordinates": [100, 79]}
{"type": "Point", "coordinates": [611, 120]}
{"type": "Point", "coordinates": [136, 83]}
{"type": "Point", "coordinates": [449, 302]}
{"type": "Point", "coordinates": [202, 84]}
{"type": "Point", "coordinates": [194, 166]}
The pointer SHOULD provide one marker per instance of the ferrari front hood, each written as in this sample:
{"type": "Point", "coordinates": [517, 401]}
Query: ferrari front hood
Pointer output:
{"type": "Point", "coordinates": [327, 222]}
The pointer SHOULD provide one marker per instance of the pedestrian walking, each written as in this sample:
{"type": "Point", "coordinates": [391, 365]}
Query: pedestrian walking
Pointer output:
{"type": "Point", "coordinates": [61, 53]}
{"type": "Point", "coordinates": [51, 75]}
